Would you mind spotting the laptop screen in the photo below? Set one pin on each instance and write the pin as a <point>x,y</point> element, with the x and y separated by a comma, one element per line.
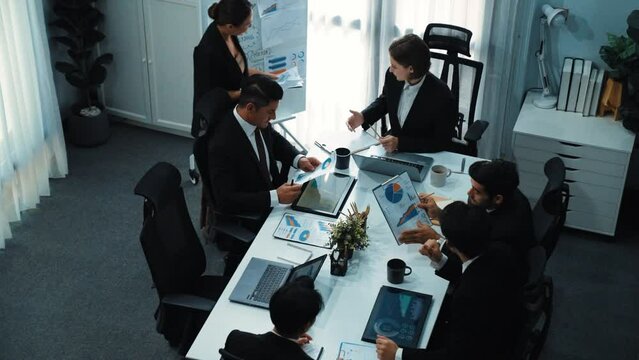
<point>310,269</point>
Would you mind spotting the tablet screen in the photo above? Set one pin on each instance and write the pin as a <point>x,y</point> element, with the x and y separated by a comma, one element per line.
<point>325,194</point>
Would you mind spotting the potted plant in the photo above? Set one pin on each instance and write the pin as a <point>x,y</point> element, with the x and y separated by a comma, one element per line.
<point>89,124</point>
<point>348,234</point>
<point>622,56</point>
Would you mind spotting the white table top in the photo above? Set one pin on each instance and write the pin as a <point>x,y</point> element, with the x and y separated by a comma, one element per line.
<point>348,300</point>
<point>601,132</point>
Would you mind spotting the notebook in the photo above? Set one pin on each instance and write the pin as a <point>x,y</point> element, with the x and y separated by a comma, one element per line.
<point>262,278</point>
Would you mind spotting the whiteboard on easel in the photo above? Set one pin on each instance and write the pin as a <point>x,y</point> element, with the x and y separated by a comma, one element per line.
<point>276,42</point>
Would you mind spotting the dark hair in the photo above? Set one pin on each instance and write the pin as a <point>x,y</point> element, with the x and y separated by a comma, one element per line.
<point>232,12</point>
<point>260,90</point>
<point>467,228</point>
<point>411,50</point>
<point>498,177</point>
<point>294,305</point>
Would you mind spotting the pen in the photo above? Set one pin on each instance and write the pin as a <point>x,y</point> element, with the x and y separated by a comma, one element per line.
<point>463,165</point>
<point>375,132</point>
<point>291,182</point>
<point>321,146</point>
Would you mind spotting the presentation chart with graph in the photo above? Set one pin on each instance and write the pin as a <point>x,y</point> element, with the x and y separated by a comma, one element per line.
<point>305,229</point>
<point>398,200</point>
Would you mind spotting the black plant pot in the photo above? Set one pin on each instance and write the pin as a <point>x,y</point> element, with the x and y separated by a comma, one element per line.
<point>339,264</point>
<point>88,131</point>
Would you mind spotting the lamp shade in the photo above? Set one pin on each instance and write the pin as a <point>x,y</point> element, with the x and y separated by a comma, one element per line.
<point>555,16</point>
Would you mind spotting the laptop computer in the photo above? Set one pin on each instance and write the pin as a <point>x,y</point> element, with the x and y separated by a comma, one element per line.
<point>262,278</point>
<point>416,166</point>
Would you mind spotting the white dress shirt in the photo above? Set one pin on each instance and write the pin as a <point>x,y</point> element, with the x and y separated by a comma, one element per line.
<point>249,130</point>
<point>406,99</point>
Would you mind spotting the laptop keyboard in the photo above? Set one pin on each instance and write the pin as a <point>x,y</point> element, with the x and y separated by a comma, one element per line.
<point>269,283</point>
<point>398,161</point>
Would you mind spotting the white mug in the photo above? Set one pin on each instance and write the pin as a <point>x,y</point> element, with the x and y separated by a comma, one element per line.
<point>438,175</point>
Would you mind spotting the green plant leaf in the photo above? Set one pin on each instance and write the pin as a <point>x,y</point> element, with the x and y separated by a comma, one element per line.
<point>92,37</point>
<point>91,19</point>
<point>65,40</point>
<point>97,75</point>
<point>104,59</point>
<point>79,55</point>
<point>65,67</point>
<point>75,4</point>
<point>64,24</point>
<point>77,79</point>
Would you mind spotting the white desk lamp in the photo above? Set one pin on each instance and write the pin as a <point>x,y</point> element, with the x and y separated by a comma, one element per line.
<point>552,17</point>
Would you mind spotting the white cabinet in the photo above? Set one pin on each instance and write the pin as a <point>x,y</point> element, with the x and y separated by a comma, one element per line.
<point>596,152</point>
<point>151,78</point>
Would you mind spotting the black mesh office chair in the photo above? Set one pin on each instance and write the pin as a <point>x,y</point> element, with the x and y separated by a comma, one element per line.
<point>549,213</point>
<point>537,297</point>
<point>463,76</point>
<point>175,258</point>
<point>228,356</point>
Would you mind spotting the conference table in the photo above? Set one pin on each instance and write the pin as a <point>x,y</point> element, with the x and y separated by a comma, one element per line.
<point>348,300</point>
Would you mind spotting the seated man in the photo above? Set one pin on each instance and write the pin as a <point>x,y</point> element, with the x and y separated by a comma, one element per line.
<point>485,306</point>
<point>244,149</point>
<point>293,308</point>
<point>494,189</point>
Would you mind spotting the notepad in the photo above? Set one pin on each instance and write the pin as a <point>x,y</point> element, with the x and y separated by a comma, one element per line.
<point>350,351</point>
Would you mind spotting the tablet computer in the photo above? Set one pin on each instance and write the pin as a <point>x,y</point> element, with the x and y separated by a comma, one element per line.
<point>325,195</point>
<point>399,315</point>
<point>398,200</point>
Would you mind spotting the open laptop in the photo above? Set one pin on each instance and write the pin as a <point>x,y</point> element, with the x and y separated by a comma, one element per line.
<point>262,278</point>
<point>416,166</point>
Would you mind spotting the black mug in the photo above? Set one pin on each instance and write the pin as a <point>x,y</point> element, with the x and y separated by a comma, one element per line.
<point>396,269</point>
<point>343,155</point>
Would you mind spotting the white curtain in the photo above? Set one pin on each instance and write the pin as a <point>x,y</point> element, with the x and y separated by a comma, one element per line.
<point>31,141</point>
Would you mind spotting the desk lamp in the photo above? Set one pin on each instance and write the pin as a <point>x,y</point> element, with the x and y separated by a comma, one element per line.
<point>552,17</point>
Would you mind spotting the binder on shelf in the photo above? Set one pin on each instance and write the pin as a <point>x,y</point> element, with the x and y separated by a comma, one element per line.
<point>564,87</point>
<point>583,86</point>
<point>589,92</point>
<point>573,94</point>
<point>596,92</point>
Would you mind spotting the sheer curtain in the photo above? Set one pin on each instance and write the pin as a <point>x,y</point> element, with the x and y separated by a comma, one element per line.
<point>31,141</point>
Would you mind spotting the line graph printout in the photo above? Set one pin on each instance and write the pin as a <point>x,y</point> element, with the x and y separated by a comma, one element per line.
<point>398,200</point>
<point>284,26</point>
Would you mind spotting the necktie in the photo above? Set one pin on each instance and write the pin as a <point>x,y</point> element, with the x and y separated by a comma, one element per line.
<point>262,155</point>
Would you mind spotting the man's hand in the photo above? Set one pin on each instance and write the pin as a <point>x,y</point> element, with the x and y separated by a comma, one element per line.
<point>432,250</point>
<point>308,163</point>
<point>418,235</point>
<point>304,339</point>
<point>355,120</point>
<point>389,142</point>
<point>386,348</point>
<point>287,193</point>
<point>427,203</point>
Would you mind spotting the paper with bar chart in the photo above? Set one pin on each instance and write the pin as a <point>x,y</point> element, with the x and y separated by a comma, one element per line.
<point>305,229</point>
<point>398,200</point>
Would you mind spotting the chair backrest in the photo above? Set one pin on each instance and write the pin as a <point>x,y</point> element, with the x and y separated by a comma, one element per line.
<point>550,210</point>
<point>207,108</point>
<point>171,246</point>
<point>228,356</point>
<point>462,75</point>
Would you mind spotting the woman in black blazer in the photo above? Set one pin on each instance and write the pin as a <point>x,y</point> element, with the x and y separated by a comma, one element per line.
<point>422,110</point>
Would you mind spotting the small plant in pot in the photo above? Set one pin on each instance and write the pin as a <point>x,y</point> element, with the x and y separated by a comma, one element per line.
<point>622,56</point>
<point>89,124</point>
<point>348,234</point>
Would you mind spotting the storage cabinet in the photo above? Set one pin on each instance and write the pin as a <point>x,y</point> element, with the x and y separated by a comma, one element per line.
<point>151,78</point>
<point>596,152</point>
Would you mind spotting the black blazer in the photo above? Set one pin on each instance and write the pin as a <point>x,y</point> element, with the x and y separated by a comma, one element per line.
<point>263,347</point>
<point>214,66</point>
<point>512,225</point>
<point>485,312</point>
<point>236,181</point>
<point>430,122</point>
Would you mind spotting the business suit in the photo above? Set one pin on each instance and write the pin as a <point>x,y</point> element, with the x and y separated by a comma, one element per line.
<point>263,347</point>
<point>511,225</point>
<point>214,67</point>
<point>430,122</point>
<point>485,311</point>
<point>237,182</point>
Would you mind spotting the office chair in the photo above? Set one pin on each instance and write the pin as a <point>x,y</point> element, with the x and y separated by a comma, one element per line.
<point>175,258</point>
<point>456,40</point>
<point>537,297</point>
<point>549,213</point>
<point>228,356</point>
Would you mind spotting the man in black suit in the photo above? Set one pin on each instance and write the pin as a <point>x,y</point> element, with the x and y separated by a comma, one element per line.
<point>493,189</point>
<point>293,310</point>
<point>485,306</point>
<point>243,151</point>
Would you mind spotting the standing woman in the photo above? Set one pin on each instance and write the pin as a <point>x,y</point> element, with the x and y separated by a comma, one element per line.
<point>422,110</point>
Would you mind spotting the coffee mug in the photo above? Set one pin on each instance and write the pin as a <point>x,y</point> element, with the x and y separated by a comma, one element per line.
<point>438,175</point>
<point>343,156</point>
<point>396,270</point>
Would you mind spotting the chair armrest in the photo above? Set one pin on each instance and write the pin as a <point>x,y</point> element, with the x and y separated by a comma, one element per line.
<point>189,301</point>
<point>235,230</point>
<point>475,131</point>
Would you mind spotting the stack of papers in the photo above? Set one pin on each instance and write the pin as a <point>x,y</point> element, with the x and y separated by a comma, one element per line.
<point>290,79</point>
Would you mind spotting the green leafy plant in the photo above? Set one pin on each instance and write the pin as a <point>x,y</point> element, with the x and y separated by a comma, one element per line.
<point>349,233</point>
<point>79,20</point>
<point>619,55</point>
